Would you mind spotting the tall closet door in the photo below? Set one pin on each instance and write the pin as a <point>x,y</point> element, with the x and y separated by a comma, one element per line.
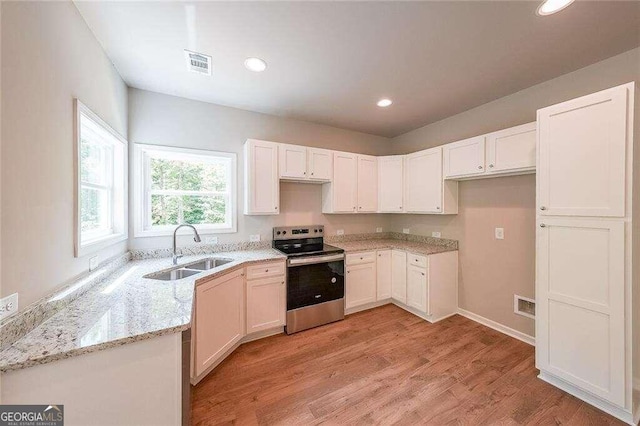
<point>580,294</point>
<point>581,164</point>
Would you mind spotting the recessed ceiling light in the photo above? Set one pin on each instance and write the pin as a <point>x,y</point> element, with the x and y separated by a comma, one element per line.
<point>549,7</point>
<point>255,64</point>
<point>383,103</point>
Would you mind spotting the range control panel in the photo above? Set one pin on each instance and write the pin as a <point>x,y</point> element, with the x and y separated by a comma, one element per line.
<point>294,232</point>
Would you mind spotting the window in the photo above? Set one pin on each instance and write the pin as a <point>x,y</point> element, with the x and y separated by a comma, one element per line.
<point>101,174</point>
<point>178,185</point>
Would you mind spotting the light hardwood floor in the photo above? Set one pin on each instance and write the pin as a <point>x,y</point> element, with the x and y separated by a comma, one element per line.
<point>386,366</point>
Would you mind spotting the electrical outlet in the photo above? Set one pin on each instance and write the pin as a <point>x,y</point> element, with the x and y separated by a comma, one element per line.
<point>405,230</point>
<point>93,263</point>
<point>499,233</point>
<point>8,306</point>
<point>211,240</point>
<point>254,238</point>
<point>435,234</point>
<point>340,232</point>
<point>378,229</point>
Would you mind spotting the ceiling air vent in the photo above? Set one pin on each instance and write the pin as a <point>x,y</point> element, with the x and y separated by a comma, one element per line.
<point>198,62</point>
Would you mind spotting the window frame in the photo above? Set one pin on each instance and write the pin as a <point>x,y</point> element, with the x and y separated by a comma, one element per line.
<point>117,185</point>
<point>142,183</point>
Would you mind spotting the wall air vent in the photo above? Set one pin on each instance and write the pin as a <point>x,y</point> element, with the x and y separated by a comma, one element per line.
<point>198,62</point>
<point>524,306</point>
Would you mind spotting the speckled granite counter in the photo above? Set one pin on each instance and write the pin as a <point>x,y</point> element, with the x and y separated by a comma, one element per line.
<point>118,308</point>
<point>411,246</point>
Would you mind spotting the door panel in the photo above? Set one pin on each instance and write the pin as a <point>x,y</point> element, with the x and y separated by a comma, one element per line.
<point>320,164</point>
<point>464,158</point>
<point>423,182</point>
<point>390,184</point>
<point>266,303</point>
<point>383,275</point>
<point>262,186</point>
<point>293,161</point>
<point>417,288</point>
<point>399,276</point>
<point>344,182</point>
<point>512,149</point>
<point>367,184</point>
<point>361,285</point>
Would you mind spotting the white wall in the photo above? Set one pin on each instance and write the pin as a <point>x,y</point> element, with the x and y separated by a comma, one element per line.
<point>167,120</point>
<point>49,57</point>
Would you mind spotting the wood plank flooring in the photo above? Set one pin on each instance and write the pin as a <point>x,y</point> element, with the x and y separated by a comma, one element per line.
<point>386,366</point>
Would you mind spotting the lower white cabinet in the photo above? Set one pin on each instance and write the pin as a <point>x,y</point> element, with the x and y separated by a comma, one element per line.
<point>383,267</point>
<point>399,275</point>
<point>266,303</point>
<point>360,287</point>
<point>219,319</point>
<point>417,291</point>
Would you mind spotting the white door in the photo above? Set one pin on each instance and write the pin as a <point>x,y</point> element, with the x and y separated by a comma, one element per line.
<point>266,303</point>
<point>320,164</point>
<point>582,143</point>
<point>399,276</point>
<point>345,194</point>
<point>423,181</point>
<point>417,291</point>
<point>464,158</point>
<point>293,161</point>
<point>383,275</point>
<point>360,285</point>
<point>390,184</point>
<point>512,150</point>
<point>219,318</point>
<point>367,184</point>
<point>580,295</point>
<point>262,185</point>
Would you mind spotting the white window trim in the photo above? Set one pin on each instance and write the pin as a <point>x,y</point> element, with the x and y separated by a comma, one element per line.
<point>103,242</point>
<point>140,206</point>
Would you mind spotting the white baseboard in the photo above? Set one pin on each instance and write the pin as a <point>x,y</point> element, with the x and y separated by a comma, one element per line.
<point>498,327</point>
<point>367,306</point>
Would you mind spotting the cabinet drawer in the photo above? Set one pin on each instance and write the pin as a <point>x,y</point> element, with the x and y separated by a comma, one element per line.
<point>265,270</point>
<point>359,258</point>
<point>417,260</point>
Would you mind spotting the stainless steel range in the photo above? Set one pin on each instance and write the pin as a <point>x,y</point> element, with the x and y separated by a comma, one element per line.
<point>315,277</point>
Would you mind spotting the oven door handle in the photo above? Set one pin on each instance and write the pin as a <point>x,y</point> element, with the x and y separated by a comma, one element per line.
<point>314,259</point>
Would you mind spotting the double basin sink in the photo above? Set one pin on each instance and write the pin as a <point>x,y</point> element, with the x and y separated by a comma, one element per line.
<point>189,269</point>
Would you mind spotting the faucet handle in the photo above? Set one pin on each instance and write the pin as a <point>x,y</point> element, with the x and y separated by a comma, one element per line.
<point>176,257</point>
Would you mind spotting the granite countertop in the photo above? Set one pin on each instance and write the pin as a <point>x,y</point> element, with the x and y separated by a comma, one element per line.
<point>123,307</point>
<point>424,248</point>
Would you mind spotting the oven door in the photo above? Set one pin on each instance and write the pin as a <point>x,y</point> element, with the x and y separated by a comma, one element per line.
<point>313,280</point>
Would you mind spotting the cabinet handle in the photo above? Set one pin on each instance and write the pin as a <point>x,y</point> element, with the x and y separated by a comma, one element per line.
<point>304,173</point>
<point>276,207</point>
<point>437,208</point>
<point>266,270</point>
<point>543,208</point>
<point>423,274</point>
<point>542,225</point>
<point>281,282</point>
<point>360,258</point>
<point>400,206</point>
<point>491,166</point>
<point>311,173</point>
<point>479,167</point>
<point>360,207</point>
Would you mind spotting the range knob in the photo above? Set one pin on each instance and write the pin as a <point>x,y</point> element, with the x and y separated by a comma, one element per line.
<point>320,229</point>
<point>278,233</point>
<point>284,232</point>
<point>315,230</point>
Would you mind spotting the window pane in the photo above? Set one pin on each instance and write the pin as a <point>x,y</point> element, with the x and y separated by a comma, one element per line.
<point>193,209</point>
<point>188,176</point>
<point>95,162</point>
<point>94,209</point>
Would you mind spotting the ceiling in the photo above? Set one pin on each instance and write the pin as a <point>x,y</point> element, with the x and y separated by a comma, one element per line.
<point>329,62</point>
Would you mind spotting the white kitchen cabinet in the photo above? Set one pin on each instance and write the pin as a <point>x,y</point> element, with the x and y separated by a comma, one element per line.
<point>367,184</point>
<point>464,158</point>
<point>266,303</point>
<point>320,166</point>
<point>383,275</point>
<point>582,159</point>
<point>219,318</point>
<point>341,195</point>
<point>360,286</point>
<point>417,291</point>
<point>391,184</point>
<point>292,161</point>
<point>261,178</point>
<point>424,189</point>
<point>512,150</point>
<point>399,276</point>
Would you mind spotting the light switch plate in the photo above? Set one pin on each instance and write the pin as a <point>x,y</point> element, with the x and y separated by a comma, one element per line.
<point>254,238</point>
<point>405,230</point>
<point>340,232</point>
<point>499,233</point>
<point>435,234</point>
<point>378,229</point>
<point>93,263</point>
<point>211,240</point>
<point>8,306</point>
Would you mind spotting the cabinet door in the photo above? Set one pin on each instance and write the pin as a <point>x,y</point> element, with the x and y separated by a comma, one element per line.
<point>344,182</point>
<point>464,158</point>
<point>266,303</point>
<point>360,285</point>
<point>262,185</point>
<point>320,164</point>
<point>390,184</point>
<point>367,184</point>
<point>219,318</point>
<point>293,161</point>
<point>423,181</point>
<point>512,150</point>
<point>580,309</point>
<point>417,291</point>
<point>383,274</point>
<point>582,143</point>
<point>399,276</point>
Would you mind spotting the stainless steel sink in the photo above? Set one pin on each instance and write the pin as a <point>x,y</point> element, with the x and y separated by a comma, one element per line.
<point>206,264</point>
<point>189,269</point>
<point>175,274</point>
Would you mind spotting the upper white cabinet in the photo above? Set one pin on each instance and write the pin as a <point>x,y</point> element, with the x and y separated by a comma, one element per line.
<point>424,189</point>
<point>390,184</point>
<point>464,158</point>
<point>261,183</point>
<point>367,184</point>
<point>582,162</point>
<point>293,161</point>
<point>512,149</point>
<point>341,196</point>
<point>320,164</point>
